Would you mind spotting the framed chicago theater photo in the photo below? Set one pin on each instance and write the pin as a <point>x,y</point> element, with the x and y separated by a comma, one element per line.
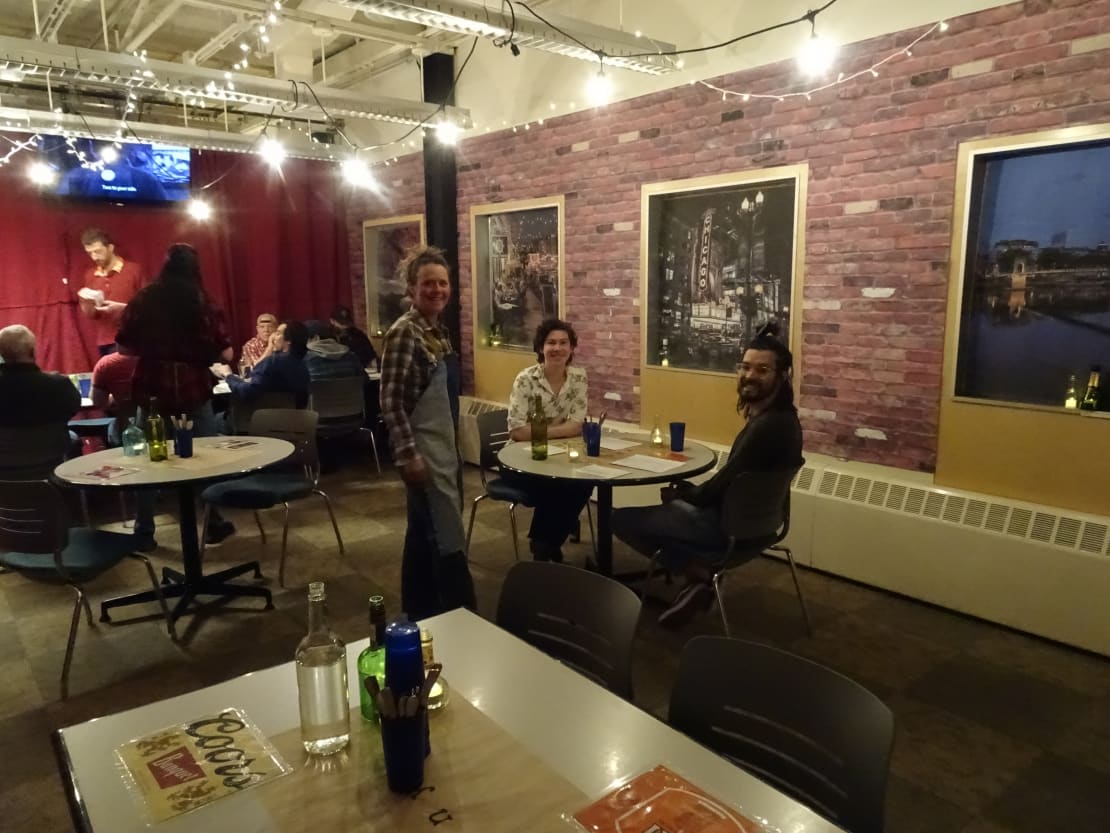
<point>720,258</point>
<point>516,269</point>
<point>384,245</point>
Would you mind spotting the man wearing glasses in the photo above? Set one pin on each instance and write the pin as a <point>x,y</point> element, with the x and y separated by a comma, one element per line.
<point>771,440</point>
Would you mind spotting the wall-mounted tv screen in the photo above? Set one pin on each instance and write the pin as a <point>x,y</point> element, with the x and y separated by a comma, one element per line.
<point>130,172</point>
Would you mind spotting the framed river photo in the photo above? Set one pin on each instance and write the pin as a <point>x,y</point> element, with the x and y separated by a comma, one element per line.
<point>721,256</point>
<point>384,245</point>
<point>1033,287</point>
<point>516,269</point>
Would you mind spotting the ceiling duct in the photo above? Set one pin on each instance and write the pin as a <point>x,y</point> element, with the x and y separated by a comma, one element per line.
<point>468,18</point>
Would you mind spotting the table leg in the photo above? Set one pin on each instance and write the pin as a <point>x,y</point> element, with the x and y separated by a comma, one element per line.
<point>605,529</point>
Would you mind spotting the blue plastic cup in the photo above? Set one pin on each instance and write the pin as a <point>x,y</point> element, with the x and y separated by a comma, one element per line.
<point>183,442</point>
<point>591,434</point>
<point>84,385</point>
<point>678,436</point>
<point>403,748</point>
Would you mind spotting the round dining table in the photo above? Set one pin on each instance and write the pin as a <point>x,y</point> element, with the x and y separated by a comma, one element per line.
<point>692,460</point>
<point>214,458</point>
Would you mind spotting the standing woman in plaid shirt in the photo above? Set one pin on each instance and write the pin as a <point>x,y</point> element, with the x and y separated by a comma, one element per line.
<point>420,406</point>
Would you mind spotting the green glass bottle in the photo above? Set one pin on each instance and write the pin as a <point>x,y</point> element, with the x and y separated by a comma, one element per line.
<point>371,662</point>
<point>538,424</point>
<point>156,434</point>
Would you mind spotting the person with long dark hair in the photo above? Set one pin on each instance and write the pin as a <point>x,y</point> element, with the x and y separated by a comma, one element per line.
<point>420,405</point>
<point>176,332</point>
<point>771,440</point>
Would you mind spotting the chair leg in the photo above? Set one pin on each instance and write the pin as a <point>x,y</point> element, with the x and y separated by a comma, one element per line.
<point>656,559</point>
<point>334,525</point>
<point>157,592</point>
<point>797,586</point>
<point>512,523</point>
<point>88,610</point>
<point>718,580</point>
<point>470,526</point>
<point>204,530</point>
<point>258,522</point>
<point>590,520</point>
<point>125,516</point>
<point>284,540</point>
<point>78,603</point>
<point>374,448</point>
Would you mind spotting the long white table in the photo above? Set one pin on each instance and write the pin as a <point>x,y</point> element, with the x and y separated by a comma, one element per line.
<point>588,735</point>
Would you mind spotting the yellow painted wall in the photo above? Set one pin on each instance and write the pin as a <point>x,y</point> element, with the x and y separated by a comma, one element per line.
<point>705,402</point>
<point>1060,458</point>
<point>495,369</point>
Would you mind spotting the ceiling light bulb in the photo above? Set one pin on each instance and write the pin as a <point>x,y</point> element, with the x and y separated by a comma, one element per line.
<point>41,174</point>
<point>599,89</point>
<point>816,55</point>
<point>199,210</point>
<point>244,47</point>
<point>109,154</point>
<point>272,151</point>
<point>357,173</point>
<point>273,18</point>
<point>447,132</point>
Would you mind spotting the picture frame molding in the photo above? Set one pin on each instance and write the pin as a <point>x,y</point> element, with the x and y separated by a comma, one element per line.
<point>373,321</point>
<point>556,201</point>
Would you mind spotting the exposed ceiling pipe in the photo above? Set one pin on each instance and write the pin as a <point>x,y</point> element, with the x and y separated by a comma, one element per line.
<point>165,14</point>
<point>133,24</point>
<point>55,16</point>
<point>220,41</point>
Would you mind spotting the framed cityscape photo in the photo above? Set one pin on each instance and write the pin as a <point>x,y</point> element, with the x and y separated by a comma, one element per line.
<point>720,257</point>
<point>1033,266</point>
<point>516,269</point>
<point>384,245</point>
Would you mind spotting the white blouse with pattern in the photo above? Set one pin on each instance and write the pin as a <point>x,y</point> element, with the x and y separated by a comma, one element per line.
<point>568,405</point>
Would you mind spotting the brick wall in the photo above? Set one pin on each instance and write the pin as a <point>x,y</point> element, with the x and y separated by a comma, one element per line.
<point>882,162</point>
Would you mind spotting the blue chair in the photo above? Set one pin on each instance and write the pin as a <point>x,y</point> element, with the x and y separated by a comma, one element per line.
<point>492,436</point>
<point>294,478</point>
<point>36,542</point>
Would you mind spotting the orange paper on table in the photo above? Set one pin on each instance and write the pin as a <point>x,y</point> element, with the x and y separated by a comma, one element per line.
<point>659,801</point>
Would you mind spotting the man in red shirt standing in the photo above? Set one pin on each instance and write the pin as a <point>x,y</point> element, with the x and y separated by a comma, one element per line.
<point>109,284</point>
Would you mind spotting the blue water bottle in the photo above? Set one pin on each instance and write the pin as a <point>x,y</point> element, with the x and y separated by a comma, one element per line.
<point>404,664</point>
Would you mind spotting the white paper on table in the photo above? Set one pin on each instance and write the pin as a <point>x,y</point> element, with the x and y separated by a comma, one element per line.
<point>614,444</point>
<point>555,449</point>
<point>655,464</point>
<point>599,472</point>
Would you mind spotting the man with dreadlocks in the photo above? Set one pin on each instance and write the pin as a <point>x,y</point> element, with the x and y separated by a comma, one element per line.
<point>771,440</point>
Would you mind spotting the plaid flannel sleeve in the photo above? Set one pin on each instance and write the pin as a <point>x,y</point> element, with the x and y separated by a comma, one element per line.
<point>398,378</point>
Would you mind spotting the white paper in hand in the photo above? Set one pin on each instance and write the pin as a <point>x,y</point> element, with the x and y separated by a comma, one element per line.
<point>94,295</point>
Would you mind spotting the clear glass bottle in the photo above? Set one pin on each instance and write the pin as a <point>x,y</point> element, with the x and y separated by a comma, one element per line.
<point>321,661</point>
<point>1091,397</point>
<point>438,696</point>
<point>371,662</point>
<point>664,354</point>
<point>156,434</point>
<point>657,433</point>
<point>537,422</point>
<point>1071,398</point>
<point>133,440</point>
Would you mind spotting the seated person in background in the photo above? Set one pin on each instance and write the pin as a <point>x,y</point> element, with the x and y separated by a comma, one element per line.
<point>257,348</point>
<point>563,392</point>
<point>771,440</point>
<point>352,337</point>
<point>327,358</point>
<point>281,372</point>
<point>31,398</point>
<point>111,390</point>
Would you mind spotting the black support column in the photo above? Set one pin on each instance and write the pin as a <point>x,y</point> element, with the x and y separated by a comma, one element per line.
<point>440,187</point>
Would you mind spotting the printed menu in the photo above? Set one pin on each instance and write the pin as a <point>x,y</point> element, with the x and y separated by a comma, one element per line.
<point>180,768</point>
<point>661,801</point>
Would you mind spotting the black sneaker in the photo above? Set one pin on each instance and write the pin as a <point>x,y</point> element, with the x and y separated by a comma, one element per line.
<point>218,532</point>
<point>694,598</point>
<point>545,551</point>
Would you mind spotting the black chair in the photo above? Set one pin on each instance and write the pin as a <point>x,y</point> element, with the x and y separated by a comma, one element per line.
<point>36,541</point>
<point>581,618</point>
<point>492,437</point>
<point>294,478</point>
<point>803,728</point>
<point>341,406</point>
<point>240,412</point>
<point>755,516</point>
<point>32,452</point>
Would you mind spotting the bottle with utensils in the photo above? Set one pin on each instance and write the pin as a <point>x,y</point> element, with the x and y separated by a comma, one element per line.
<point>404,663</point>
<point>156,434</point>
<point>437,695</point>
<point>321,661</point>
<point>537,422</point>
<point>1091,397</point>
<point>133,440</point>
<point>371,662</point>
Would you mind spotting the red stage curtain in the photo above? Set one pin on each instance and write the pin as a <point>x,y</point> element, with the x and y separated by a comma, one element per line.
<point>277,242</point>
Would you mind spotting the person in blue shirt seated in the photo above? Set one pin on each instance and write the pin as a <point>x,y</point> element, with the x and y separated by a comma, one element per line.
<point>283,371</point>
<point>327,358</point>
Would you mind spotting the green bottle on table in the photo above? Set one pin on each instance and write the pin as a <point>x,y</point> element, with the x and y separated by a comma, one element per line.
<point>156,434</point>
<point>371,662</point>
<point>537,422</point>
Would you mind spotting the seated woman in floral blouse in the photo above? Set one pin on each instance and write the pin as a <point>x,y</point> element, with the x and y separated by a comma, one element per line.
<point>563,392</point>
